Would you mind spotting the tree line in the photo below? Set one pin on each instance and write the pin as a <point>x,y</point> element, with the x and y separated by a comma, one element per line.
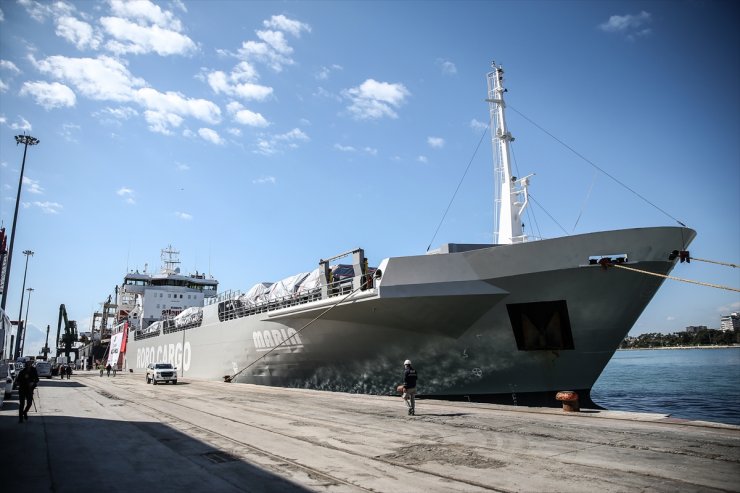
<point>703,337</point>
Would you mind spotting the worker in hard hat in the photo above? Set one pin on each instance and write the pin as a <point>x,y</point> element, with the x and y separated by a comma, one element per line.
<point>409,386</point>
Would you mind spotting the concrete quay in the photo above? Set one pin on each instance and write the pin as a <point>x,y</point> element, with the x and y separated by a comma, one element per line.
<point>118,434</point>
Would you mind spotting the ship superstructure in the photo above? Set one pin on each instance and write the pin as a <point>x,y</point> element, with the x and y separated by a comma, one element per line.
<point>145,298</point>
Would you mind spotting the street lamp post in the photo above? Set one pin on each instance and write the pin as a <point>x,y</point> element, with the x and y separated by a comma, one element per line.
<point>26,140</point>
<point>27,253</point>
<point>25,320</point>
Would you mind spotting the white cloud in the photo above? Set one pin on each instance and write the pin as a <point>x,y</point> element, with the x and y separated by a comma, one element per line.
<point>230,85</point>
<point>3,86</point>
<point>78,32</point>
<point>130,37</point>
<point>143,27</point>
<point>22,125</point>
<point>180,5</point>
<point>447,67</point>
<point>273,49</point>
<point>263,52</point>
<point>210,135</point>
<point>69,130</point>
<point>477,125</point>
<point>422,159</point>
<point>325,72</point>
<point>32,186</point>
<point>2,15</point>
<point>165,111</point>
<point>244,116</point>
<point>727,309</point>
<point>630,25</point>
<point>265,180</point>
<point>162,122</point>
<point>184,216</point>
<point>182,167</point>
<point>275,143</point>
<point>106,78</point>
<point>127,194</point>
<point>436,142</point>
<point>373,99</point>
<point>174,102</point>
<point>41,11</point>
<point>371,150</point>
<point>9,66</point>
<point>236,132</point>
<point>46,207</point>
<point>120,113</point>
<point>342,148</point>
<point>145,12</point>
<point>49,95</point>
<point>103,78</point>
<point>288,25</point>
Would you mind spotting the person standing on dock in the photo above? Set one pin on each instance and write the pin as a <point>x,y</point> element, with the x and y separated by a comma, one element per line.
<point>27,378</point>
<point>409,386</point>
<point>68,371</point>
<point>107,368</point>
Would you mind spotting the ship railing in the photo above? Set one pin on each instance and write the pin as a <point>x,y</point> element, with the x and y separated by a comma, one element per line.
<point>145,335</point>
<point>232,307</point>
<point>185,326</point>
<point>226,295</point>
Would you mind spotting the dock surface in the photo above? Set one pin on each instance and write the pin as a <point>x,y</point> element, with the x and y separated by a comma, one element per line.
<point>118,434</point>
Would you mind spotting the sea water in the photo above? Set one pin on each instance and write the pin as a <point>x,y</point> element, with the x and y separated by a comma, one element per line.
<point>697,384</point>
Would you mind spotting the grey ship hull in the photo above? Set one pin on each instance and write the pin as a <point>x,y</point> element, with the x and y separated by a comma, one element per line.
<point>508,323</point>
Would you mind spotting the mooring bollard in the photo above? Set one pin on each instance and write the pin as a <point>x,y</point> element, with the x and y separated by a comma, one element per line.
<point>570,401</point>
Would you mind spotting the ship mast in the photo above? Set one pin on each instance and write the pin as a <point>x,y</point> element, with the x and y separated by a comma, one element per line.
<point>170,260</point>
<point>512,195</point>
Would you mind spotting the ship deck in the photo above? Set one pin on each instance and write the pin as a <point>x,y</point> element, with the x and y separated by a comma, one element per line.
<point>120,434</point>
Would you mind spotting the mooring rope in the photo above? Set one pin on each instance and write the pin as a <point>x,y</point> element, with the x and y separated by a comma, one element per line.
<point>230,378</point>
<point>665,276</point>
<point>735,266</point>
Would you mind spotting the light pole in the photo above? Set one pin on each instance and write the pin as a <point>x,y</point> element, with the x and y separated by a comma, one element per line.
<point>25,320</point>
<point>26,140</point>
<point>27,253</point>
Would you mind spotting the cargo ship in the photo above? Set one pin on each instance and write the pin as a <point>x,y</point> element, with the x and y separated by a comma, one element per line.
<point>511,322</point>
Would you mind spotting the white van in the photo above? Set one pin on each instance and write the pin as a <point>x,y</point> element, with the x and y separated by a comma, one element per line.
<point>43,368</point>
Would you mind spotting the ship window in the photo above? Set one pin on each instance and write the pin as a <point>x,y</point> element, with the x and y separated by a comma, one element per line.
<point>542,325</point>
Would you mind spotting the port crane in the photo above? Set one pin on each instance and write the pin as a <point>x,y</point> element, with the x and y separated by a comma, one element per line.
<point>64,341</point>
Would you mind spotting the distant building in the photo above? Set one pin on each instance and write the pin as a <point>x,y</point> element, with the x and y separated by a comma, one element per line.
<point>694,329</point>
<point>730,322</point>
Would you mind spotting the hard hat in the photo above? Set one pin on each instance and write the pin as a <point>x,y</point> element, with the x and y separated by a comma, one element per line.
<point>407,362</point>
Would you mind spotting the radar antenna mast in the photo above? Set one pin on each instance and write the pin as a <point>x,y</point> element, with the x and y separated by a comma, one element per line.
<point>512,197</point>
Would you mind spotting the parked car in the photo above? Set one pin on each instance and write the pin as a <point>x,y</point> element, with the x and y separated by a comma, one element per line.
<point>43,368</point>
<point>161,372</point>
<point>7,377</point>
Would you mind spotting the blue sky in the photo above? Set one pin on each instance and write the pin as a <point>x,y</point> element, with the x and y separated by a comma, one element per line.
<point>259,137</point>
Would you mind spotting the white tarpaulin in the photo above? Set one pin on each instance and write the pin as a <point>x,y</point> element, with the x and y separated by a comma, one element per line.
<point>311,282</point>
<point>285,287</point>
<point>192,315</point>
<point>256,294</point>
